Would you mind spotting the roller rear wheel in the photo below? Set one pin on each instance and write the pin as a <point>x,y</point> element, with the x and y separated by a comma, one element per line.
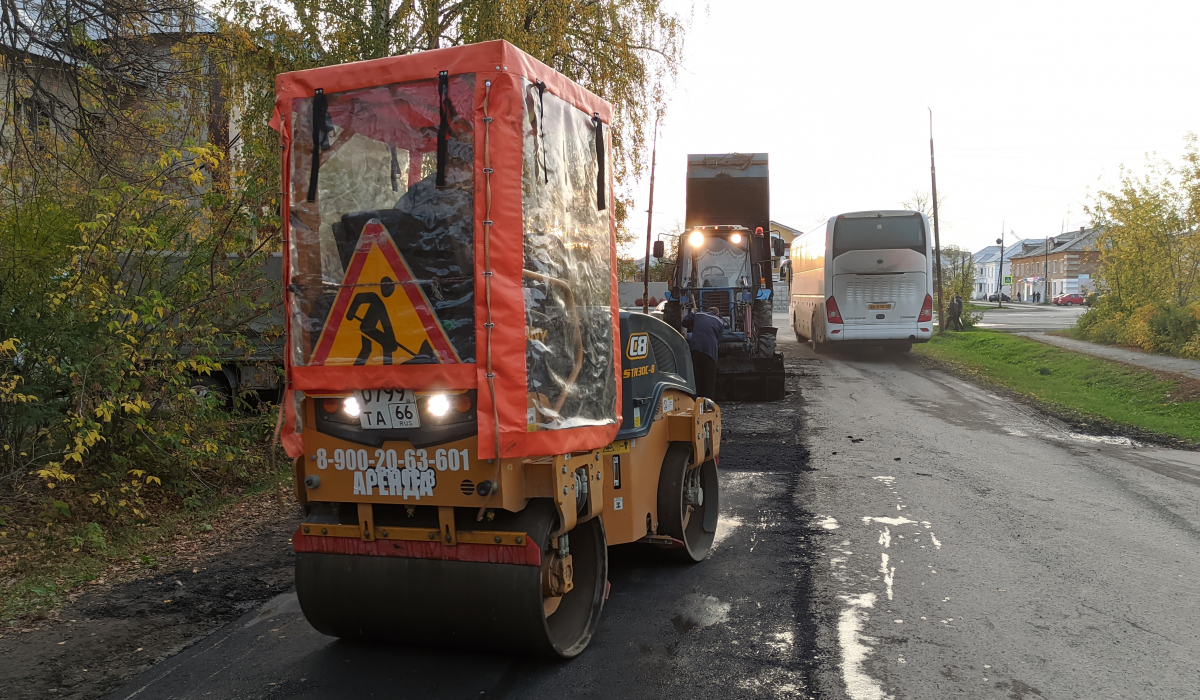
<point>688,503</point>
<point>462,604</point>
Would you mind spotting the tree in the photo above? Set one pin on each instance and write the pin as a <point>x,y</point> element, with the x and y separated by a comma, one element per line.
<point>626,51</point>
<point>1149,237</point>
<point>119,77</point>
<point>1149,243</point>
<point>632,269</point>
<point>130,262</point>
<point>958,271</point>
<point>923,202</point>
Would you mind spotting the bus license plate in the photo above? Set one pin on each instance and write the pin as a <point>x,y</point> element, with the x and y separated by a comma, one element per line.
<point>874,307</point>
<point>387,408</point>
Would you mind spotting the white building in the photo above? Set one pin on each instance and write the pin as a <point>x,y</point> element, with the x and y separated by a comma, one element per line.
<point>987,280</point>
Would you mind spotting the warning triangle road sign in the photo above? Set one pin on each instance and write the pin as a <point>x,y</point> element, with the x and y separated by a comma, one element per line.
<point>381,315</point>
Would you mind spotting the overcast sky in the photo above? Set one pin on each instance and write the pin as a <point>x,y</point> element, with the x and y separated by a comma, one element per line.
<point>1034,104</point>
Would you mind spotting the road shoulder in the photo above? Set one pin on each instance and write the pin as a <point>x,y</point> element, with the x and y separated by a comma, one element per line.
<point>1161,363</point>
<point>1094,395</point>
<point>117,629</point>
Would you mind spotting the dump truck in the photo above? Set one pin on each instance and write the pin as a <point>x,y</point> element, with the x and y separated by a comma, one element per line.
<point>473,420</point>
<point>724,260</point>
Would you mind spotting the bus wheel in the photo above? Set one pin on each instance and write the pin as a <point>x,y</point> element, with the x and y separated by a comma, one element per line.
<point>819,345</point>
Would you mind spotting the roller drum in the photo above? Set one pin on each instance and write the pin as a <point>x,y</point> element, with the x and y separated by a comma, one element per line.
<point>469,605</point>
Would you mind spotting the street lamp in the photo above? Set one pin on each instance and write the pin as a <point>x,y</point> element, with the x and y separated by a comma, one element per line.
<point>1000,275</point>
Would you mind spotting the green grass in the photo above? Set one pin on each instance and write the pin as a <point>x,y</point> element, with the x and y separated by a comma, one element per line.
<point>1078,384</point>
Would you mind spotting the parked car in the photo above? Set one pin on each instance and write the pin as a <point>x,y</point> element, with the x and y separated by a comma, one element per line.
<point>999,297</point>
<point>1069,300</point>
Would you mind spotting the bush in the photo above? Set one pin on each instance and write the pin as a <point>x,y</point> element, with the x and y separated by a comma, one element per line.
<point>1161,328</point>
<point>121,287</point>
<point>1149,243</point>
<point>1172,328</point>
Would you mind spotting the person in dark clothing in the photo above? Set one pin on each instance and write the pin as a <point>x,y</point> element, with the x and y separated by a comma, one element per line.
<point>706,331</point>
<point>954,313</point>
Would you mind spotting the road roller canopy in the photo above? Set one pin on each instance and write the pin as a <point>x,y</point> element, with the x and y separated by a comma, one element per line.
<point>454,232</point>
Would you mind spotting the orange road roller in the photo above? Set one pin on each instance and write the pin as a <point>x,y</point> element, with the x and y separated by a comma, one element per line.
<point>473,419</point>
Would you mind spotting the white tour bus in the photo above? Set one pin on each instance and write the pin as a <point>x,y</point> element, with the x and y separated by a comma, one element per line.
<point>865,279</point>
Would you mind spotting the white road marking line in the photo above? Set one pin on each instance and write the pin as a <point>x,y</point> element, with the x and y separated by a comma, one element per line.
<point>894,522</point>
<point>889,575</point>
<point>828,522</point>
<point>859,685</point>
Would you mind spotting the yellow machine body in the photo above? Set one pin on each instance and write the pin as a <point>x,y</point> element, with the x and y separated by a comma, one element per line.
<point>396,473</point>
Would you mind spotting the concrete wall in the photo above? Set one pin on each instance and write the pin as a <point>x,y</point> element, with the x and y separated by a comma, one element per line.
<point>780,297</point>
<point>630,293</point>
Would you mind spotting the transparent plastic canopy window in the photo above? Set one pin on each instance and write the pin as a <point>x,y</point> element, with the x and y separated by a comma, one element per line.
<point>567,270</point>
<point>716,263</point>
<point>380,167</point>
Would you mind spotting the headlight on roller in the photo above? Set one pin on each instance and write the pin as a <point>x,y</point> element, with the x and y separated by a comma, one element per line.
<point>438,405</point>
<point>444,409</point>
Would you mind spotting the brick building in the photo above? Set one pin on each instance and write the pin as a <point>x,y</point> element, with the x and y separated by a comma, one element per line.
<point>1063,264</point>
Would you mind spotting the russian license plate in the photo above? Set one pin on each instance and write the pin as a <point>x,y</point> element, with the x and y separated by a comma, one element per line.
<point>875,307</point>
<point>387,408</point>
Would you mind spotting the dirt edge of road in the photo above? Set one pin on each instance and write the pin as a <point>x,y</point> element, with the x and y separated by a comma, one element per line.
<point>1080,422</point>
<point>113,630</point>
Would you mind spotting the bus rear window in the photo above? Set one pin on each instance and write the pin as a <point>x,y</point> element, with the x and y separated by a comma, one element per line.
<point>879,233</point>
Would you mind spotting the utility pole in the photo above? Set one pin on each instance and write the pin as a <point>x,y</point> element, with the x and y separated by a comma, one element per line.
<point>1000,272</point>
<point>649,221</point>
<point>1046,272</point>
<point>937,240</point>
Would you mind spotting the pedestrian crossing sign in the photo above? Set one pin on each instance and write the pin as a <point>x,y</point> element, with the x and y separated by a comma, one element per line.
<point>381,315</point>
<point>1008,279</point>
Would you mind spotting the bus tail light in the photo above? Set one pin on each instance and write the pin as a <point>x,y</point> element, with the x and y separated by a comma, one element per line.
<point>926,310</point>
<point>832,314</point>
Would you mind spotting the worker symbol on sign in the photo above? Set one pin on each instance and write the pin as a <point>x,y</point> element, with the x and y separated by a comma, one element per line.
<point>387,301</point>
<point>375,325</point>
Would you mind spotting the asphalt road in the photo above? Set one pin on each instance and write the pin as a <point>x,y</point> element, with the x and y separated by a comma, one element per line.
<point>888,531</point>
<point>975,548</point>
<point>725,626</point>
<point>1030,317</point>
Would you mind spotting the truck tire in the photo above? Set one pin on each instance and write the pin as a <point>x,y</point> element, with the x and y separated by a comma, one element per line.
<point>761,314</point>
<point>672,315</point>
<point>765,345</point>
